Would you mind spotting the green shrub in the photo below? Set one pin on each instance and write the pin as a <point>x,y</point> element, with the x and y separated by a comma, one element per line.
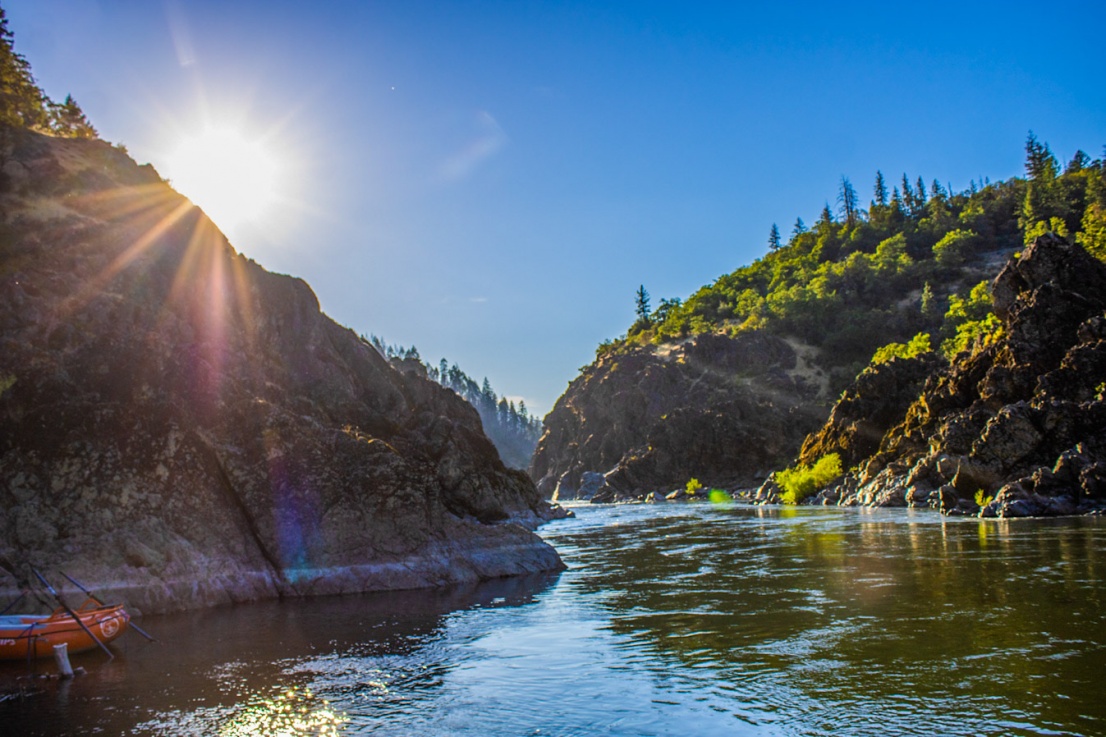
<point>693,486</point>
<point>918,345</point>
<point>955,247</point>
<point>968,334</point>
<point>802,481</point>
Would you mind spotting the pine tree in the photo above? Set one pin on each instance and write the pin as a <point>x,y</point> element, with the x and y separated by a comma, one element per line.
<point>922,196</point>
<point>22,103</point>
<point>1040,164</point>
<point>879,192</point>
<point>849,202</point>
<point>909,204</point>
<point>68,120</point>
<point>1078,163</point>
<point>896,201</point>
<point>641,305</point>
<point>774,238</point>
<point>799,229</point>
<point>938,191</point>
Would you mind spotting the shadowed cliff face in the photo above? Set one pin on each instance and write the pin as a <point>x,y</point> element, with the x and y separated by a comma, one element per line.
<point>1017,427</point>
<point>186,428</point>
<point>720,409</point>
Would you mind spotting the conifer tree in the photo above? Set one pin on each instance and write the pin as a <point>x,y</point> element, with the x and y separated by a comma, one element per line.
<point>909,204</point>
<point>641,305</point>
<point>879,192</point>
<point>774,238</point>
<point>22,104</point>
<point>896,201</point>
<point>1078,163</point>
<point>67,119</point>
<point>1040,164</point>
<point>938,191</point>
<point>799,229</point>
<point>849,202</point>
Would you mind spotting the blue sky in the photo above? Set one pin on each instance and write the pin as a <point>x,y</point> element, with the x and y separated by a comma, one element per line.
<point>491,181</point>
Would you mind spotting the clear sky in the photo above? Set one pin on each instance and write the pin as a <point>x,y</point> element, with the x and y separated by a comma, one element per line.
<point>491,181</point>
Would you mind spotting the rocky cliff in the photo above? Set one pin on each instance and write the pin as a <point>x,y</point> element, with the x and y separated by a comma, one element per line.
<point>1016,427</point>
<point>725,410</point>
<point>181,428</point>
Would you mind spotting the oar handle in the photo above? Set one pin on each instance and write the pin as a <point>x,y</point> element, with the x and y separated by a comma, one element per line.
<point>73,614</point>
<point>97,599</point>
<point>78,584</point>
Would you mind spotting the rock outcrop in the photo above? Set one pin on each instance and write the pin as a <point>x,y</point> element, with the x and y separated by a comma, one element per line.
<point>1016,427</point>
<point>181,428</point>
<point>721,409</point>
<point>867,409</point>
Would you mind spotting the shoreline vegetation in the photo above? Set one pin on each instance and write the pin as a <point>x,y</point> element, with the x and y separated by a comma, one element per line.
<point>884,337</point>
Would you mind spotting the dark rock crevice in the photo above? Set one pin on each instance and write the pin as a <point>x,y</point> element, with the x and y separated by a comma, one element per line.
<point>247,523</point>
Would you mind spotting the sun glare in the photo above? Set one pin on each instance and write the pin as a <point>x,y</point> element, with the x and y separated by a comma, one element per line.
<point>233,177</point>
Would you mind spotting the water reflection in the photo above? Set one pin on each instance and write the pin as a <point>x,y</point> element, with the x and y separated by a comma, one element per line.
<point>672,620</point>
<point>900,618</point>
<point>258,669</point>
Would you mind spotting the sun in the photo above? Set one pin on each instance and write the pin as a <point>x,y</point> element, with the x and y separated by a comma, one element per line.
<point>232,176</point>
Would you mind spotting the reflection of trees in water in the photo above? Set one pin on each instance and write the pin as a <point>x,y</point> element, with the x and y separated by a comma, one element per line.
<point>862,602</point>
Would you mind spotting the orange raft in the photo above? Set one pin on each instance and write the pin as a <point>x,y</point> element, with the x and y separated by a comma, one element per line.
<point>34,635</point>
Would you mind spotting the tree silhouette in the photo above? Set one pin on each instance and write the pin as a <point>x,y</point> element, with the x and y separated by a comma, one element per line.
<point>879,192</point>
<point>774,238</point>
<point>641,305</point>
<point>1040,164</point>
<point>799,229</point>
<point>848,202</point>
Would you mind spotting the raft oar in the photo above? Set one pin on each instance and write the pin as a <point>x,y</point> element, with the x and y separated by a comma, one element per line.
<point>73,614</point>
<point>100,601</point>
<point>22,591</point>
<point>9,606</point>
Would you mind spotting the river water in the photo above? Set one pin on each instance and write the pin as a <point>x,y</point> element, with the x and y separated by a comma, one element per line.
<point>671,620</point>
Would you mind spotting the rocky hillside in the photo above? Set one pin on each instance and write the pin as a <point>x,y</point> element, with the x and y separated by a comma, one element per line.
<point>725,410</point>
<point>1016,427</point>
<point>181,428</point>
<point>725,385</point>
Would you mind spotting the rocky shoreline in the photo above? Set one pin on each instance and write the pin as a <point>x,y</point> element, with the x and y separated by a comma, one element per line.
<point>1016,427</point>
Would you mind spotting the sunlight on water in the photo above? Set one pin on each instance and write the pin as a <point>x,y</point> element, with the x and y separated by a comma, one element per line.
<point>292,712</point>
<point>697,619</point>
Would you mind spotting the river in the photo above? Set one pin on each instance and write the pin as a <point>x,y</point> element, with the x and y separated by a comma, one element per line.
<point>671,620</point>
